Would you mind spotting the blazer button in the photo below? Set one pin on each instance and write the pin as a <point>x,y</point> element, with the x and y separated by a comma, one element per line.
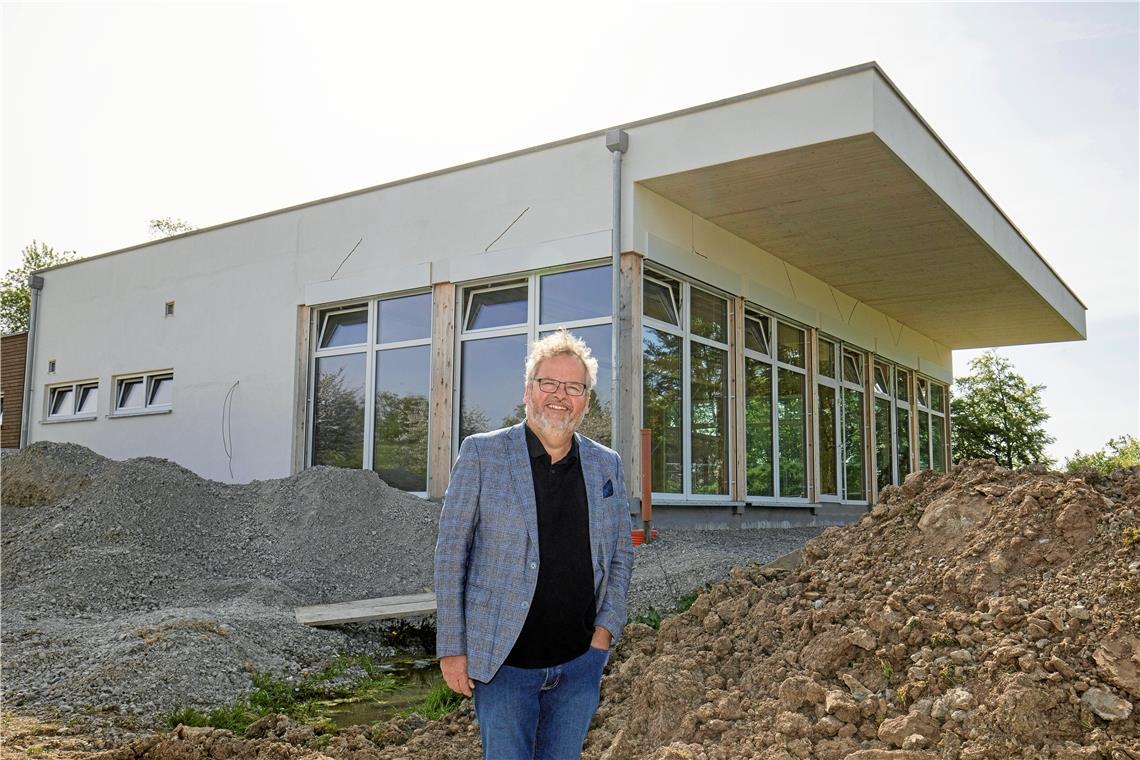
<point>524,604</point>
<point>533,565</point>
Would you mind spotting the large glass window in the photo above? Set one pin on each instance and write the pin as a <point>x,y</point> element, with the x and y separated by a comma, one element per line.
<point>931,404</point>
<point>685,386</point>
<point>884,426</point>
<point>902,422</point>
<point>843,424</point>
<point>499,322</point>
<point>775,413</point>
<point>385,430</point>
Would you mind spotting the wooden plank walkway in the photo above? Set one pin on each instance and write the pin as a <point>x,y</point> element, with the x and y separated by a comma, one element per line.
<point>366,609</point>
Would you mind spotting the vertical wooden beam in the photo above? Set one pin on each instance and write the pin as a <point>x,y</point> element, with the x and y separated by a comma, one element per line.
<point>301,389</point>
<point>442,390</point>
<point>628,403</point>
<point>738,388</point>
<point>870,481</point>
<point>811,398</point>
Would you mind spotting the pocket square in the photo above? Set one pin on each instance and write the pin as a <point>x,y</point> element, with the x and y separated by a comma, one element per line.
<point>608,489</point>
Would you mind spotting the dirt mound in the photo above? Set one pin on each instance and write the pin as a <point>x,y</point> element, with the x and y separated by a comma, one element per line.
<point>133,587</point>
<point>980,614</point>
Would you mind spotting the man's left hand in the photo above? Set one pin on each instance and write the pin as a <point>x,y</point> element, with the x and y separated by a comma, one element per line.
<point>602,638</point>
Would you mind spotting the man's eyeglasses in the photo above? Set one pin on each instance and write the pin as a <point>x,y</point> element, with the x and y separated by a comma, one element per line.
<point>549,385</point>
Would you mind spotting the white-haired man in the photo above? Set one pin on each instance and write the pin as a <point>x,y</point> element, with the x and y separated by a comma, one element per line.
<point>532,564</point>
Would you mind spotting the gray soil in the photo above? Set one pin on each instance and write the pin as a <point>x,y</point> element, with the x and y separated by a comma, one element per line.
<point>132,588</point>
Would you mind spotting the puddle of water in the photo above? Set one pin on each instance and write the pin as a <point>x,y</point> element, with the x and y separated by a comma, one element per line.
<point>418,677</point>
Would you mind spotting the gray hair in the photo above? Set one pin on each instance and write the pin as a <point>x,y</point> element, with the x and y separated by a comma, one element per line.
<point>558,344</point>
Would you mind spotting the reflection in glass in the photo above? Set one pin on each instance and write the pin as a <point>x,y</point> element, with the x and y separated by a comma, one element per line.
<point>853,444</point>
<point>661,410</point>
<point>936,394</point>
<point>496,306</point>
<point>407,318</point>
<point>828,477</point>
<point>491,386</point>
<point>790,345</point>
<point>758,427</point>
<point>902,435</point>
<point>338,414</point>
<point>598,421</point>
<point>708,315</point>
<point>923,399</point>
<point>902,385</point>
<point>882,383</point>
<point>852,368</point>
<point>756,333</point>
<point>826,358</point>
<point>660,299</point>
<point>344,328</point>
<point>579,294</point>
<point>709,419</point>
<point>923,440</point>
<point>791,412</point>
<point>882,442</point>
<point>937,439</point>
<point>400,437</point>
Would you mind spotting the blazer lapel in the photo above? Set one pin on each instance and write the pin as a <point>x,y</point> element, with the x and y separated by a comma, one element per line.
<point>523,479</point>
<point>594,479</point>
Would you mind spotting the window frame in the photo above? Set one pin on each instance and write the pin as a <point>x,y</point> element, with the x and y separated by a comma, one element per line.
<point>75,388</point>
<point>751,311</point>
<point>369,349</point>
<point>662,276</point>
<point>532,328</point>
<point>839,383</point>
<point>147,379</point>
<point>926,415</point>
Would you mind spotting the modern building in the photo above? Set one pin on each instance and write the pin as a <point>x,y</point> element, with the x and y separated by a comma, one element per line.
<point>795,267</point>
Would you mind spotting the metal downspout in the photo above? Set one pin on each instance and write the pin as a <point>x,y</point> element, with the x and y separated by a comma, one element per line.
<point>36,284</point>
<point>617,141</point>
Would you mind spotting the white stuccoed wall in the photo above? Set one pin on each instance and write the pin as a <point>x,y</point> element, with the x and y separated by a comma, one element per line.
<point>237,289</point>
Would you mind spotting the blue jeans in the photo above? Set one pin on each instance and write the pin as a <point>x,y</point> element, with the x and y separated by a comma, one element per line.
<point>539,713</point>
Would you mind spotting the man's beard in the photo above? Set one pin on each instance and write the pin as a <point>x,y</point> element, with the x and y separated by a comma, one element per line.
<point>538,417</point>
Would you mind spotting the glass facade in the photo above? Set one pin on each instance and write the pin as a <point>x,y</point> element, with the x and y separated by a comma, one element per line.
<point>385,430</point>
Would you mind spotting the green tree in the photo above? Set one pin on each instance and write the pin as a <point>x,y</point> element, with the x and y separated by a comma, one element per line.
<point>168,225</point>
<point>15,295</point>
<point>997,414</point>
<point>1118,452</point>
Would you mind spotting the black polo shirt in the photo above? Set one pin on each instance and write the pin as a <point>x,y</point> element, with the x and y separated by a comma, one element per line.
<point>560,622</point>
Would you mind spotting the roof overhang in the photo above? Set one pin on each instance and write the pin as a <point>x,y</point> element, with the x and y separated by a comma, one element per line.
<point>889,216</point>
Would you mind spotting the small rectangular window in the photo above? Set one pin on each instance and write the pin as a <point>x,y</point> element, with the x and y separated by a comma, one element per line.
<point>902,385</point>
<point>882,379</point>
<point>344,327</point>
<point>151,392</point>
<point>790,345</point>
<point>169,311</point>
<point>160,390</point>
<point>72,400</point>
<point>708,316</point>
<point>852,368</point>
<point>496,306</point>
<point>661,298</point>
<point>826,358</point>
<point>577,294</point>
<point>756,333</point>
<point>405,318</point>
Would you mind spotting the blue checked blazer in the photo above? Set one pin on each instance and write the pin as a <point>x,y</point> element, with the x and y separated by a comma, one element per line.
<point>486,556</point>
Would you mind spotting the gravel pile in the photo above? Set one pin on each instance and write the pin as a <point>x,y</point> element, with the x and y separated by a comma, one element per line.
<point>131,588</point>
<point>681,561</point>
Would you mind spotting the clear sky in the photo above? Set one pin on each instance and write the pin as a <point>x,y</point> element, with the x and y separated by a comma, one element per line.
<point>114,114</point>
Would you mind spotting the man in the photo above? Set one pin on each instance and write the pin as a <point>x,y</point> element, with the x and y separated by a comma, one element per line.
<point>533,563</point>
